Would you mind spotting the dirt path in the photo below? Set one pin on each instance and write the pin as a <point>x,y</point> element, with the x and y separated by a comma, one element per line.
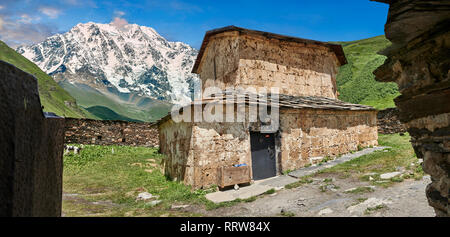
<point>327,198</point>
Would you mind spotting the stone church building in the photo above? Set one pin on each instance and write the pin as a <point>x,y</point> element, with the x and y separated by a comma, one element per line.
<point>312,122</point>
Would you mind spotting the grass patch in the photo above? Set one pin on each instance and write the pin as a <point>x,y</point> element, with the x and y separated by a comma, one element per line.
<point>401,154</point>
<point>287,214</point>
<point>270,191</point>
<point>355,80</point>
<point>303,180</point>
<point>326,187</point>
<point>103,183</point>
<point>372,209</point>
<point>359,201</point>
<point>359,190</point>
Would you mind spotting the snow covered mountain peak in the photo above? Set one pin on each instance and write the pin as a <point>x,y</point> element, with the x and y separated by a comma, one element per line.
<point>127,59</point>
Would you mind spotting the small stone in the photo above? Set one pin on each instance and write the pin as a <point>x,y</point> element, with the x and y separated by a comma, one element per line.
<point>370,178</point>
<point>325,211</point>
<point>236,187</point>
<point>390,175</point>
<point>179,206</point>
<point>370,174</point>
<point>349,190</point>
<point>144,196</point>
<point>154,203</point>
<point>420,161</point>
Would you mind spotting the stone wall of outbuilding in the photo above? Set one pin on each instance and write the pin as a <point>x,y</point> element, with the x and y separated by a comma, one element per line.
<point>106,132</point>
<point>195,151</point>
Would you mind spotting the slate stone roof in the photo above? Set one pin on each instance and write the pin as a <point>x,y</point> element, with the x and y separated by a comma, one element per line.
<point>297,102</point>
<point>283,101</point>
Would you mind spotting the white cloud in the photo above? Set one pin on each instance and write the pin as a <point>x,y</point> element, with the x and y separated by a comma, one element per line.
<point>1,7</point>
<point>182,6</point>
<point>51,12</point>
<point>15,32</point>
<point>25,18</point>
<point>118,21</point>
<point>119,13</point>
<point>85,3</point>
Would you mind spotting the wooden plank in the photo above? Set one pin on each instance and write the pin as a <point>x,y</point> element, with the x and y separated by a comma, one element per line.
<point>228,176</point>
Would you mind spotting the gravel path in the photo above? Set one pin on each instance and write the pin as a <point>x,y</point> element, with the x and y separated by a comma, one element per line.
<point>400,200</point>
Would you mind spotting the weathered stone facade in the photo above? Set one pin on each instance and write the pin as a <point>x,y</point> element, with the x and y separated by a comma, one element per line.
<point>105,132</point>
<point>194,151</point>
<point>246,59</point>
<point>313,124</point>
<point>31,149</point>
<point>312,134</point>
<point>418,61</point>
<point>388,121</point>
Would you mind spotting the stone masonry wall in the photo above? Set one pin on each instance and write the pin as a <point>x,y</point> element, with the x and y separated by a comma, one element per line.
<point>243,60</point>
<point>308,136</point>
<point>216,145</point>
<point>220,61</point>
<point>418,61</point>
<point>296,69</point>
<point>194,151</point>
<point>176,145</point>
<point>389,122</point>
<point>104,132</point>
<point>31,149</point>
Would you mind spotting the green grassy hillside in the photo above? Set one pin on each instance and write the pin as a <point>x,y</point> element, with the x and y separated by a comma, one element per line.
<point>53,97</point>
<point>355,81</point>
<point>108,114</point>
<point>146,110</point>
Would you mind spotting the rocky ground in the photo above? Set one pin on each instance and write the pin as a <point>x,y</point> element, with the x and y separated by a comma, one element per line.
<point>338,198</point>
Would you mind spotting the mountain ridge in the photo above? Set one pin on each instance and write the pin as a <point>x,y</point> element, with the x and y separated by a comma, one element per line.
<point>130,59</point>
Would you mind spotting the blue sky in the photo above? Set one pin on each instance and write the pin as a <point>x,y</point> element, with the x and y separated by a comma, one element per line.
<point>31,21</point>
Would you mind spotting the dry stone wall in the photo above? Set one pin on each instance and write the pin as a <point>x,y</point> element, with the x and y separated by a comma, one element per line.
<point>389,122</point>
<point>104,132</point>
<point>418,61</point>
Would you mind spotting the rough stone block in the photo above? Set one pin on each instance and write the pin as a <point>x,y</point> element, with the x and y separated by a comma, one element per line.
<point>31,148</point>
